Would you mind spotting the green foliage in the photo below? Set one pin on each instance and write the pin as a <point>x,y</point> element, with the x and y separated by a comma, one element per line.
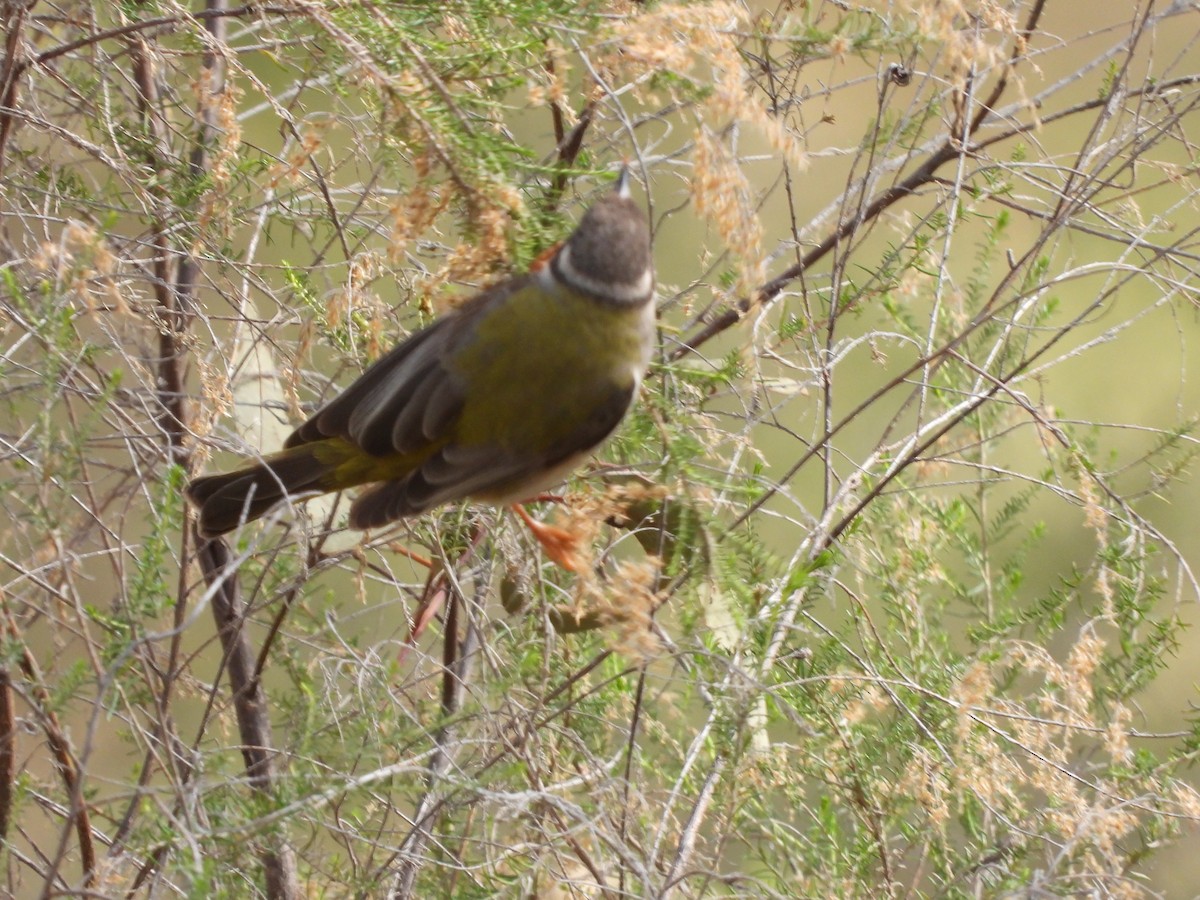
<point>876,589</point>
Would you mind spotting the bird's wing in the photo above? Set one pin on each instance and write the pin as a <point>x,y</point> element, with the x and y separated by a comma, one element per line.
<point>488,470</point>
<point>410,402</point>
<point>406,400</point>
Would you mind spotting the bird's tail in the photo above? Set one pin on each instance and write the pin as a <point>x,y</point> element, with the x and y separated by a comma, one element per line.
<point>229,500</point>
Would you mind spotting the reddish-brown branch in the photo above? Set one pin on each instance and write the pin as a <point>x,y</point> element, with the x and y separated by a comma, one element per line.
<point>567,143</point>
<point>249,700</point>
<point>952,146</point>
<point>769,291</point>
<point>64,759</point>
<point>8,755</point>
<point>249,703</point>
<point>569,146</point>
<point>176,297</point>
<point>131,28</point>
<point>11,68</point>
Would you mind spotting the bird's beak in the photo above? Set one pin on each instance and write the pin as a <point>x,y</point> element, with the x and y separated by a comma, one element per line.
<point>621,189</point>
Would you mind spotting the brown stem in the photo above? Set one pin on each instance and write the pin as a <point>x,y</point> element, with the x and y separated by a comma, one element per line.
<point>176,298</point>
<point>569,146</point>
<point>130,28</point>
<point>64,761</point>
<point>8,755</point>
<point>953,145</point>
<point>769,291</point>
<point>691,828</point>
<point>249,703</point>
<point>567,143</point>
<point>458,655</point>
<point>12,20</point>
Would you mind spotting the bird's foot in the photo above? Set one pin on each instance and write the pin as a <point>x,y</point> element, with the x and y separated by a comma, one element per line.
<point>558,543</point>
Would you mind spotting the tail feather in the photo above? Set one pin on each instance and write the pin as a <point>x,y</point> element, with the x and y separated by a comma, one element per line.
<point>229,500</point>
<point>382,504</point>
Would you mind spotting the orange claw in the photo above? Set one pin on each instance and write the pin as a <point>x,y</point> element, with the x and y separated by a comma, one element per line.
<point>558,543</point>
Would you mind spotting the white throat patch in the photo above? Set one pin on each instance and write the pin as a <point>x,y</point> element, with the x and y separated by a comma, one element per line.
<point>621,292</point>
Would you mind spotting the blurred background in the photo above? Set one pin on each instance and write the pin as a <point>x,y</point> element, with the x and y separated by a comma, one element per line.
<point>892,567</point>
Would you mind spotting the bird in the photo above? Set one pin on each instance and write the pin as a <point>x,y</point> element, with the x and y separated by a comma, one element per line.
<point>496,401</point>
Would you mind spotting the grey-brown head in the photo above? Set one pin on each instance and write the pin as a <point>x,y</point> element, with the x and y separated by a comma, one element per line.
<point>608,257</point>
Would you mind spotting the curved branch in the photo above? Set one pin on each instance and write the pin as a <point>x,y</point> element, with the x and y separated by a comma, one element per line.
<point>950,148</point>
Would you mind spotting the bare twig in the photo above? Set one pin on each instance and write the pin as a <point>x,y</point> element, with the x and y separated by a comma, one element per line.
<point>8,752</point>
<point>457,661</point>
<point>64,761</point>
<point>687,839</point>
<point>13,22</point>
<point>250,705</point>
<point>950,147</point>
